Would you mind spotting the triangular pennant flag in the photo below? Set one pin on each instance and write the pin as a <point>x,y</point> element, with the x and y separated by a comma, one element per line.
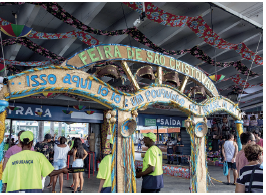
<point>46,94</point>
<point>67,111</point>
<point>38,113</point>
<point>79,107</point>
<point>12,108</point>
<point>89,112</point>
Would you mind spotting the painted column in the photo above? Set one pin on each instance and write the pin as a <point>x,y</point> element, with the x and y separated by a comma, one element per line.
<point>41,129</point>
<point>59,129</point>
<point>239,128</point>
<point>197,134</point>
<point>52,128</point>
<point>3,114</point>
<point>126,181</point>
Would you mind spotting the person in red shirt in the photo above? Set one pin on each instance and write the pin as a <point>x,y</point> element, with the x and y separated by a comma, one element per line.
<point>14,150</point>
<point>259,140</point>
<point>241,160</point>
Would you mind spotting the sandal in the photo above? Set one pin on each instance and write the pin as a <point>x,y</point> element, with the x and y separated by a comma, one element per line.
<point>60,191</point>
<point>53,191</point>
<point>49,185</point>
<point>71,185</point>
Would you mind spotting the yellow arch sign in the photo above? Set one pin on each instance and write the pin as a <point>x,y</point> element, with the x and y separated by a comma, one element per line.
<point>58,79</point>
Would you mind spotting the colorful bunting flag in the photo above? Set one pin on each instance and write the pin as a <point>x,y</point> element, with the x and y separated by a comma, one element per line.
<point>89,112</point>
<point>13,108</point>
<point>217,77</point>
<point>46,94</point>
<point>79,107</point>
<point>67,111</point>
<point>39,113</point>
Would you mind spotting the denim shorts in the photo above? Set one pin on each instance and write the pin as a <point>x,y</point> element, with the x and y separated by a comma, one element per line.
<point>231,165</point>
<point>78,163</point>
<point>59,164</point>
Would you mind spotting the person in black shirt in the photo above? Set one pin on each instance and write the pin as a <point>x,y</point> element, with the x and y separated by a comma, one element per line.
<point>179,149</point>
<point>254,155</point>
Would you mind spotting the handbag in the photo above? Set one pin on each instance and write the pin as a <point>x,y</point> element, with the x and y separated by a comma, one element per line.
<point>225,168</point>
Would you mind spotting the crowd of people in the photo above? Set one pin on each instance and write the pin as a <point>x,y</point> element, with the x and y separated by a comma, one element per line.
<point>246,164</point>
<point>46,158</point>
<point>31,165</point>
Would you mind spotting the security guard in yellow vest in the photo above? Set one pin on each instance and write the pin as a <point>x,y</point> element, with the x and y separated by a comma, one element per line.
<point>152,171</point>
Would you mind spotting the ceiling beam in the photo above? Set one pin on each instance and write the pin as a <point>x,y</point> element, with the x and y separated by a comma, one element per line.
<point>242,17</point>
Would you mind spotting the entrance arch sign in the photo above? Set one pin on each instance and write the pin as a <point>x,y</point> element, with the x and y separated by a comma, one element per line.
<point>67,80</point>
<point>112,52</point>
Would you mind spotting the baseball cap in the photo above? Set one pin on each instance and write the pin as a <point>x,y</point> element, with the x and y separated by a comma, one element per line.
<point>150,135</point>
<point>48,136</point>
<point>26,134</point>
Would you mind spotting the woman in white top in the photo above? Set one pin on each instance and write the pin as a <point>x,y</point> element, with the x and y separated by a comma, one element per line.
<point>60,157</point>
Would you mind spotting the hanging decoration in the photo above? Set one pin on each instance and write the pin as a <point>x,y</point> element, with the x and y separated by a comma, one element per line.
<point>82,36</point>
<point>32,63</point>
<point>79,107</point>
<point>238,65</point>
<point>140,37</point>
<point>35,48</point>
<point>197,25</point>
<point>67,111</point>
<point>15,30</point>
<point>46,94</point>
<point>39,113</point>
<point>2,67</point>
<point>13,108</point>
<point>217,77</point>
<point>89,112</point>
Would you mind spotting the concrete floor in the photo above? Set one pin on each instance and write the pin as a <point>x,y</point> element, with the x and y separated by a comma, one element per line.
<point>171,184</point>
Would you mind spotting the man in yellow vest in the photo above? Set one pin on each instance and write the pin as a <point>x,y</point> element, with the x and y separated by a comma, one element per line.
<point>24,170</point>
<point>152,171</point>
<point>104,174</point>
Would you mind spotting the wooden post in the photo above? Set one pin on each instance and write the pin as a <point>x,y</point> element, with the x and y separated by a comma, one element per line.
<point>160,75</point>
<point>130,75</point>
<point>122,116</point>
<point>184,83</point>
<point>199,183</point>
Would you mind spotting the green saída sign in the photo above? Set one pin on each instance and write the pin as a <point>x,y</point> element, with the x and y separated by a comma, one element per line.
<point>150,122</point>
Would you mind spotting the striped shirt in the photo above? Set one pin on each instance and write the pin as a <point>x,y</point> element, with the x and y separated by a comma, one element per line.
<point>245,175</point>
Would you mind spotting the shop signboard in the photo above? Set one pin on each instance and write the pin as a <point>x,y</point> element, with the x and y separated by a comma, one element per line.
<point>150,122</point>
<point>159,120</point>
<point>53,113</point>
